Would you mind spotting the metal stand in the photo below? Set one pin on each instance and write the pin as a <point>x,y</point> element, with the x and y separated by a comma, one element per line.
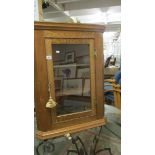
<point>48,147</point>
<point>82,149</point>
<point>79,151</point>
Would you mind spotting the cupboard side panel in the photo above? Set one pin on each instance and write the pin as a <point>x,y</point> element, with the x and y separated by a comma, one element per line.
<point>99,74</point>
<point>43,115</point>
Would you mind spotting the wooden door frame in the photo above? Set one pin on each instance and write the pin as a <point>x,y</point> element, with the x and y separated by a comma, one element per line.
<point>67,117</point>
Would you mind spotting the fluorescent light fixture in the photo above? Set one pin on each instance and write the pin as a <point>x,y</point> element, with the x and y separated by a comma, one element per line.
<point>67,13</point>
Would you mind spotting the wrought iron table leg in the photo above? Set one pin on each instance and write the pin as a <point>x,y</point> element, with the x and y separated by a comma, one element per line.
<point>79,151</point>
<point>48,147</point>
<point>94,145</point>
<point>82,150</point>
<point>37,148</point>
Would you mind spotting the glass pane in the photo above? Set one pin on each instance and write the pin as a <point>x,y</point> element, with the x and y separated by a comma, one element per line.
<point>72,77</point>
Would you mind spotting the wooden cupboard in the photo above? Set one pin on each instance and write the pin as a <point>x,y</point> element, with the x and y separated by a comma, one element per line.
<point>68,77</point>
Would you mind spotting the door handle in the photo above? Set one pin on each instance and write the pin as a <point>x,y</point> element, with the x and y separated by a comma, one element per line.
<point>50,103</point>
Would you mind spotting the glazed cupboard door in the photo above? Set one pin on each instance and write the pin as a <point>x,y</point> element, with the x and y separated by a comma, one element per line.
<point>68,78</point>
<point>71,78</point>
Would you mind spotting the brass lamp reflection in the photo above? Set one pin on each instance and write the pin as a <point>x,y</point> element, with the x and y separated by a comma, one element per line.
<point>51,103</point>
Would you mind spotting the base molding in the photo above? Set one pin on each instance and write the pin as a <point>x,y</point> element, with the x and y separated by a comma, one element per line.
<point>71,129</point>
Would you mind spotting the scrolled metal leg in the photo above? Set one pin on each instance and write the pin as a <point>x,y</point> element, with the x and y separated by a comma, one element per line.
<point>82,150</point>
<point>94,145</point>
<point>37,148</point>
<point>79,150</point>
<point>83,146</point>
<point>48,147</point>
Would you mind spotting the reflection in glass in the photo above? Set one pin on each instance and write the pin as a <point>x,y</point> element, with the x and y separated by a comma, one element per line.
<point>72,77</point>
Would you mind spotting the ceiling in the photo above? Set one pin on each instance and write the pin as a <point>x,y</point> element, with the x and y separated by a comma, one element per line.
<point>106,12</point>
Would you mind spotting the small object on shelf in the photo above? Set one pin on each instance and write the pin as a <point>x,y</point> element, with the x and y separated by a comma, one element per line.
<point>83,73</point>
<point>70,57</point>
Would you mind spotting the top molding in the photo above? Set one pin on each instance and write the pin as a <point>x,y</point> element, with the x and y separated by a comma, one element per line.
<point>68,26</point>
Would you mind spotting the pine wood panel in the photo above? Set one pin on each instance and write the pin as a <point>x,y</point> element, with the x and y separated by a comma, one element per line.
<point>69,27</point>
<point>99,74</point>
<point>71,129</point>
<point>68,34</point>
<point>47,123</point>
<point>40,83</point>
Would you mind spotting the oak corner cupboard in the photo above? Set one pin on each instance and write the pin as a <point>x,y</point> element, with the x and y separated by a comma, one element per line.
<point>68,77</point>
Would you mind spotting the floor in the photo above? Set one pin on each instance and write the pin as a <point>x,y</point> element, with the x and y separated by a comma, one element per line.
<point>110,137</point>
